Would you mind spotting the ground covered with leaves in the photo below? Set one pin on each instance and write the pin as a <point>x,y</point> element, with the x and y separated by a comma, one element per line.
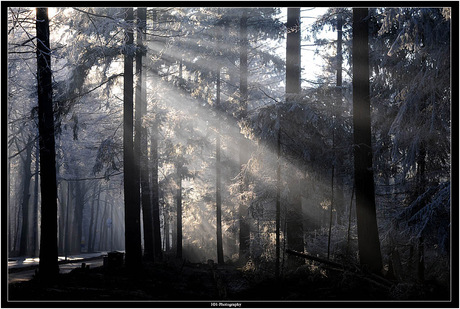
<point>178,280</point>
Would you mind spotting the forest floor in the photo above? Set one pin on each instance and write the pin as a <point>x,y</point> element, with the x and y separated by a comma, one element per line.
<point>176,280</point>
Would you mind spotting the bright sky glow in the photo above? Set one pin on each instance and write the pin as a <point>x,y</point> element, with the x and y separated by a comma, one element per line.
<point>312,65</point>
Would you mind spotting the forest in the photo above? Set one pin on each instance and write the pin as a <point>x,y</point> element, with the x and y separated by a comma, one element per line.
<point>230,153</point>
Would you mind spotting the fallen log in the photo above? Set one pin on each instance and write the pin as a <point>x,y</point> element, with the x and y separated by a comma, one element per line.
<point>368,276</point>
<point>314,258</point>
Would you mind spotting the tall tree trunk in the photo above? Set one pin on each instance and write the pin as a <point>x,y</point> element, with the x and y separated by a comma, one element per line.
<point>179,212</point>
<point>18,231</point>
<point>78,215</point>
<point>334,115</point>
<point>27,176</point>
<point>155,192</point>
<point>48,266</point>
<point>293,41</point>
<point>62,210</point>
<point>111,227</point>
<point>133,246</point>
<point>293,88</point>
<point>8,183</point>
<point>91,220</point>
<point>103,234</point>
<point>278,198</point>
<point>166,228</point>
<point>220,250</point>
<point>368,237</point>
<point>96,225</point>
<point>339,193</point>
<point>332,205</point>
<point>349,221</point>
<point>243,151</point>
<point>35,203</point>
<point>154,179</point>
<point>141,136</point>
<point>67,225</point>
<point>173,232</point>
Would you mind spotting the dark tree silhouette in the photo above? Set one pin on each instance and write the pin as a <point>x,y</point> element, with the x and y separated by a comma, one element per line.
<point>140,138</point>
<point>368,238</point>
<point>131,172</point>
<point>48,266</point>
<point>220,250</point>
<point>293,88</point>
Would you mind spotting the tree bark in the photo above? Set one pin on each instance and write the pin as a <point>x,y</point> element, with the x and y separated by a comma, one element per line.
<point>368,237</point>
<point>27,176</point>
<point>293,41</point>
<point>67,225</point>
<point>92,219</point>
<point>155,192</point>
<point>48,266</point>
<point>78,215</point>
<point>219,244</point>
<point>155,196</point>
<point>133,246</point>
<point>278,200</point>
<point>179,212</point>
<point>339,192</point>
<point>102,234</point>
<point>166,232</point>
<point>141,136</point>
<point>220,252</point>
<point>98,201</point>
<point>334,116</point>
<point>293,89</point>
<point>35,203</point>
<point>61,222</point>
<point>332,207</point>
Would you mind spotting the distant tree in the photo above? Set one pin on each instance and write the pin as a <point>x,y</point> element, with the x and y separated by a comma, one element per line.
<point>26,178</point>
<point>92,225</point>
<point>80,190</point>
<point>155,194</point>
<point>368,237</point>
<point>131,171</point>
<point>48,266</point>
<point>179,166</point>
<point>35,245</point>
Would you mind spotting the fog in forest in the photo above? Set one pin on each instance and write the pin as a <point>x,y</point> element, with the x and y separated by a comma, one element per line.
<point>265,139</point>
